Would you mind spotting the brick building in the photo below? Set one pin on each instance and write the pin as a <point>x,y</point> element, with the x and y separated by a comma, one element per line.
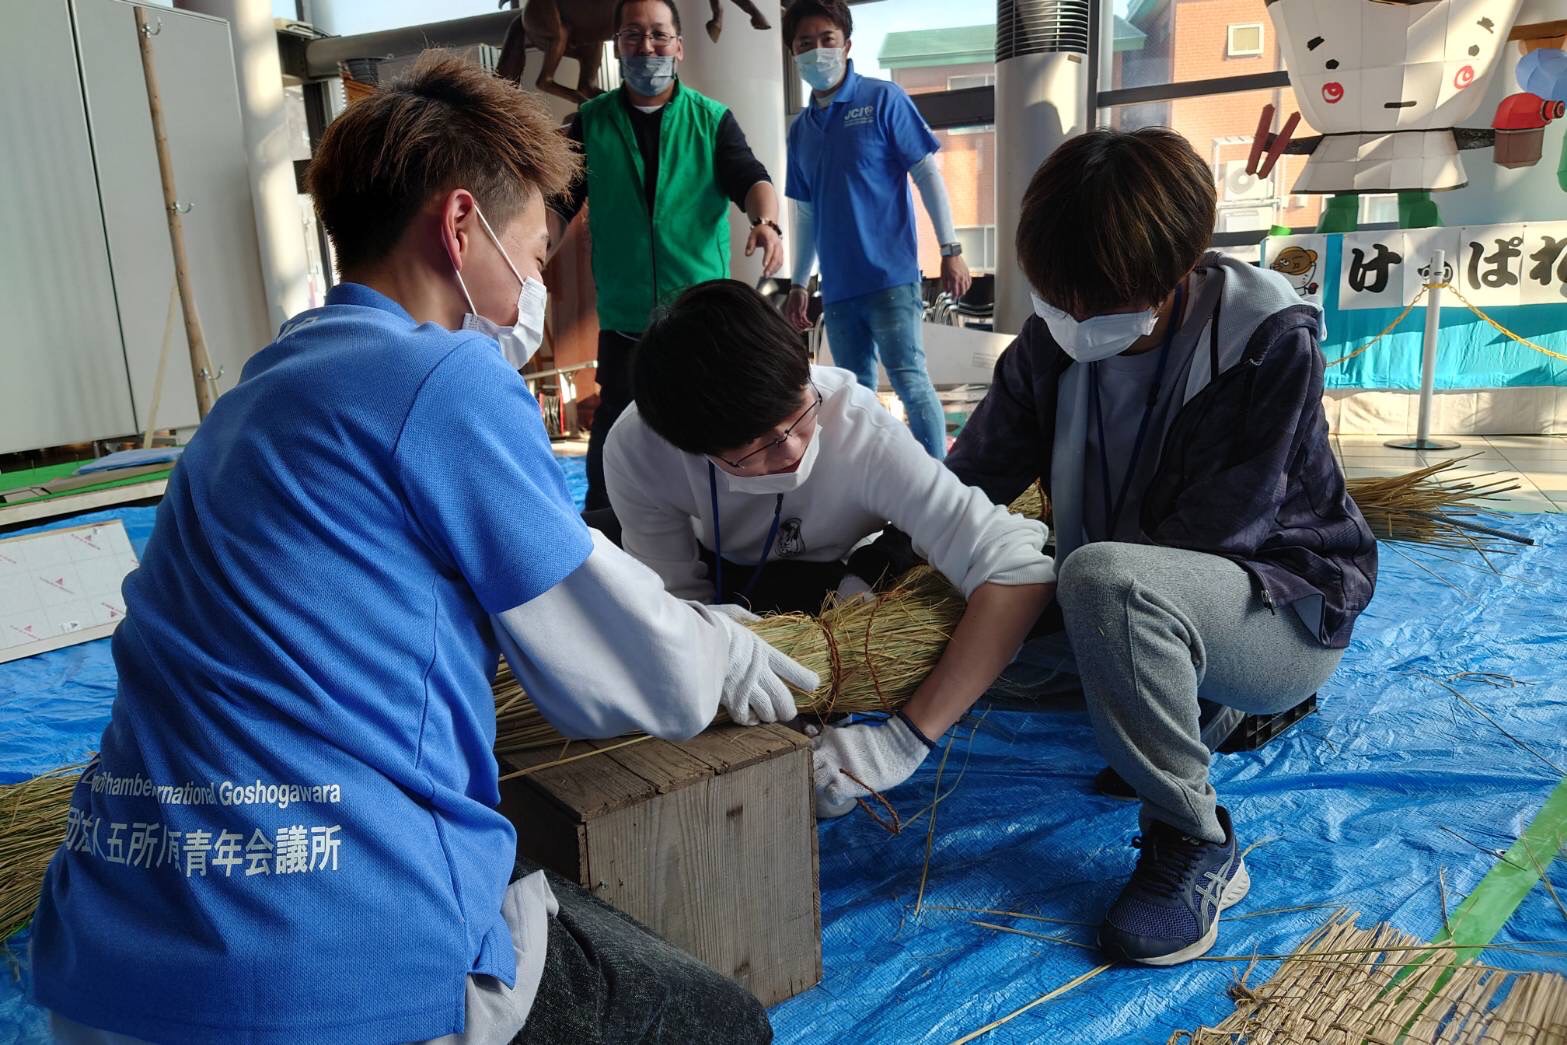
<point>1188,40</point>
<point>1158,42</point>
<point>927,60</point>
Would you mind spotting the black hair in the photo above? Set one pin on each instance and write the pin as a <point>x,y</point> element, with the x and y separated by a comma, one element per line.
<point>835,11</point>
<point>674,12</point>
<point>1115,218</point>
<point>718,368</point>
<point>446,125</point>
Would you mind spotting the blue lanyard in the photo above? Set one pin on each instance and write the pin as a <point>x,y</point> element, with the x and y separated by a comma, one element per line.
<point>718,543</point>
<point>1114,508</point>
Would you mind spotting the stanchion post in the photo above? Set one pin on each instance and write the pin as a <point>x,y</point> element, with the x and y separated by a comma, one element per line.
<point>1422,439</point>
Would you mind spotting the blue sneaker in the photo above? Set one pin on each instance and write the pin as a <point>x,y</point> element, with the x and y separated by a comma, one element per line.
<point>1169,912</point>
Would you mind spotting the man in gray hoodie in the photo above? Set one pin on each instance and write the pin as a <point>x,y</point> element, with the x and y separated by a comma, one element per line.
<point>1169,401</point>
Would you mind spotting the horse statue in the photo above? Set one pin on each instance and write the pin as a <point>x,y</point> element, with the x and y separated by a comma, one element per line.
<point>579,29</point>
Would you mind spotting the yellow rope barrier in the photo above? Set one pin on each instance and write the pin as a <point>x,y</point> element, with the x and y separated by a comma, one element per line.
<point>1503,330</point>
<point>1459,295</point>
<point>1385,330</point>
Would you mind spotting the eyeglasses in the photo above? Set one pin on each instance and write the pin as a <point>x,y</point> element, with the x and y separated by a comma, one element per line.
<point>782,439</point>
<point>632,38</point>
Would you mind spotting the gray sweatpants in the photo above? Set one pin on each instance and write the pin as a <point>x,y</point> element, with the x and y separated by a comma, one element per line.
<point>1151,629</point>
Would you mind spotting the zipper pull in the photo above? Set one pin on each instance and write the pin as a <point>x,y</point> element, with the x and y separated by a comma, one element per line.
<point>1267,599</point>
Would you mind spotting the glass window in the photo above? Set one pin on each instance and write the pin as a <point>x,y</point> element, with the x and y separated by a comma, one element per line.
<point>1220,128</point>
<point>967,158</point>
<point>952,48</point>
<point>349,19</point>
<point>1245,40</point>
<point>1174,41</point>
<point>958,83</point>
<point>926,45</point>
<point>979,247</point>
<point>1379,208</point>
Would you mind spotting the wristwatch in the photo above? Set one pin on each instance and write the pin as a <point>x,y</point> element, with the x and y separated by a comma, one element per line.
<point>951,250</point>
<point>770,223</point>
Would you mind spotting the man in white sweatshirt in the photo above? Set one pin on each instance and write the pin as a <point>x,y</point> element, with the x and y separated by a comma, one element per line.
<point>743,473</point>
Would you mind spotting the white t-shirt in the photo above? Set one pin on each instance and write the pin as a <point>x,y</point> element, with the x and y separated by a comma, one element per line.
<point>869,472</point>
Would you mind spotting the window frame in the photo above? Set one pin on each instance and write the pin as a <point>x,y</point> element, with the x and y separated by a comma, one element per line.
<point>985,259</point>
<point>970,106</point>
<point>1231,51</point>
<point>1101,101</point>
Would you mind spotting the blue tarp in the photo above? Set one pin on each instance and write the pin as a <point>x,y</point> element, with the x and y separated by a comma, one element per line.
<point>1358,805</point>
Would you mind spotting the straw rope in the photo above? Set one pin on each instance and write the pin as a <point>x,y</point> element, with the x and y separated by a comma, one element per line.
<point>1448,286</point>
<point>1385,330</point>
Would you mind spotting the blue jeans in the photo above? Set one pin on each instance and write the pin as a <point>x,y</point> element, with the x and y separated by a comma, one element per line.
<point>887,323</point>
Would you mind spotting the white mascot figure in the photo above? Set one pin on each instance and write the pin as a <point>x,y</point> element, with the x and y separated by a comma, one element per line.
<point>1386,82</point>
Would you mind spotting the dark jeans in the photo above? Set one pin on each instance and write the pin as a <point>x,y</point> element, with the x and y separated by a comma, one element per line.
<point>614,378</point>
<point>608,979</point>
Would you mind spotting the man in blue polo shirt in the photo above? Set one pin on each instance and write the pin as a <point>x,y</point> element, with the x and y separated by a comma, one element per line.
<point>290,832</point>
<point>851,154</point>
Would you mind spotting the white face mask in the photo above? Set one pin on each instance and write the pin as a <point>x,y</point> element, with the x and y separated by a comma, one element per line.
<point>780,482</point>
<point>821,68</point>
<point>1097,337</point>
<point>522,339</point>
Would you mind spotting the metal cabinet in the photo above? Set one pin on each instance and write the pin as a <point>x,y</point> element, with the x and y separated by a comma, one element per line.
<point>62,365</point>
<point>101,219</point>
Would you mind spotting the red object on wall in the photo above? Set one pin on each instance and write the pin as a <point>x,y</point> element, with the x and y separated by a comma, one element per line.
<point>1520,128</point>
<point>1525,111</point>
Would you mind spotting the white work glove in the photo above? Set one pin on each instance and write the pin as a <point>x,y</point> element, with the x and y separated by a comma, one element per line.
<point>881,755</point>
<point>852,587</point>
<point>756,686</point>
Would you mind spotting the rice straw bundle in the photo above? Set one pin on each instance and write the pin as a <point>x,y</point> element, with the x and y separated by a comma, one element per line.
<point>1428,507</point>
<point>1345,985</point>
<point>871,655</point>
<point>1031,503</point>
<point>1425,506</point>
<point>32,824</point>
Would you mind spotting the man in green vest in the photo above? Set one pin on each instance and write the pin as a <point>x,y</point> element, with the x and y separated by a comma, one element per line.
<point>663,165</point>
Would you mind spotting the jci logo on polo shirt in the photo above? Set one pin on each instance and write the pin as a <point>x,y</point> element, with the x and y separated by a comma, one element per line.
<point>859,116</point>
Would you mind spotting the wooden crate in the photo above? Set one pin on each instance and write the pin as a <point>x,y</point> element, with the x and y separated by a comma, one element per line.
<point>710,842</point>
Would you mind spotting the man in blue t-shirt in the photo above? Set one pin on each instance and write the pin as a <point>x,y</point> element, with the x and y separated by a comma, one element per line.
<point>851,154</point>
<point>290,832</point>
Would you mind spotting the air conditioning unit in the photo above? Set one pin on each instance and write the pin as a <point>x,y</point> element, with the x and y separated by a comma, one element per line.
<point>1041,100</point>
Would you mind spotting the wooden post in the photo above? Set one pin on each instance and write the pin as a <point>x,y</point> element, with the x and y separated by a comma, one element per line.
<point>163,362</point>
<point>200,361</point>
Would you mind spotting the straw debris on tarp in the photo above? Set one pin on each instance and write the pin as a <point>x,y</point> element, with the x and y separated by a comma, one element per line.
<point>33,814</point>
<point>1346,985</point>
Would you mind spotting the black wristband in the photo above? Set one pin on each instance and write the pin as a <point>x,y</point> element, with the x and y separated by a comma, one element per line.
<point>930,745</point>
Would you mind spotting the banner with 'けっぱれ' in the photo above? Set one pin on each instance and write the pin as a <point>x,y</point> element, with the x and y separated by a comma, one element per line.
<point>1515,273</point>
<point>1491,265</point>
